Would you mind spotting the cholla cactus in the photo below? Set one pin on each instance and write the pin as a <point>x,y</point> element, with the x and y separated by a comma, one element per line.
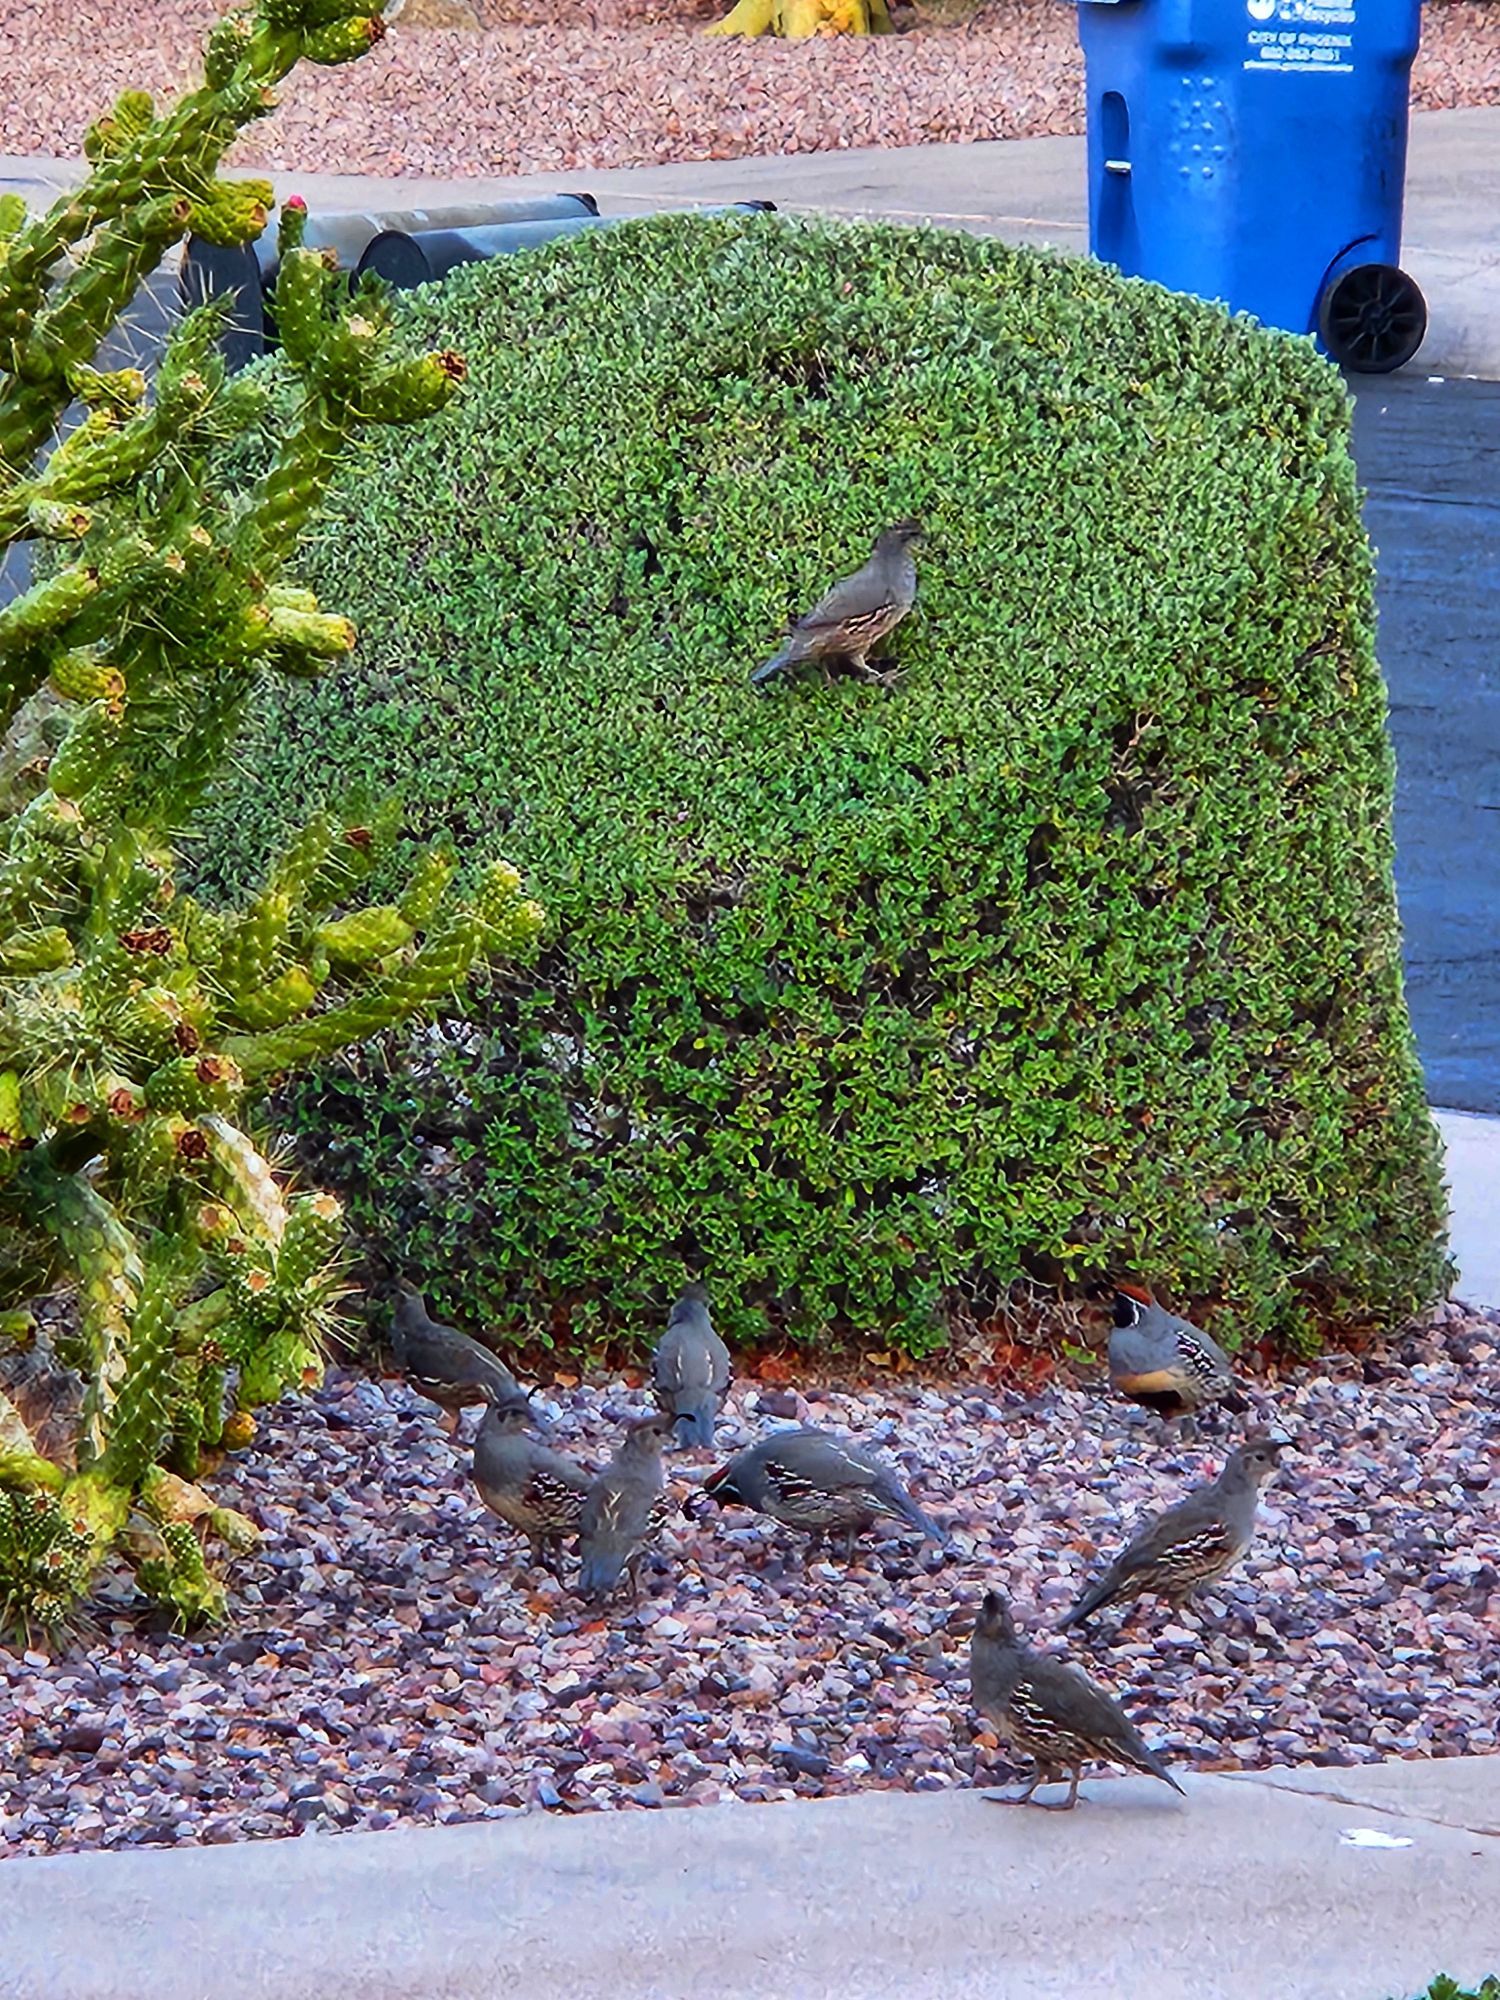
<point>133,1022</point>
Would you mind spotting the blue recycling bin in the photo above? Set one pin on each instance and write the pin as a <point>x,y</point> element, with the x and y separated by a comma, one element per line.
<point>1254,152</point>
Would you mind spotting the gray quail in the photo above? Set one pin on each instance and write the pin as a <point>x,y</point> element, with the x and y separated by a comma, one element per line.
<point>690,1369</point>
<point>1162,1362</point>
<point>528,1485</point>
<point>822,1484</point>
<point>623,1509</point>
<point>444,1365</point>
<point>1049,1712</point>
<point>1192,1544</point>
<point>850,620</point>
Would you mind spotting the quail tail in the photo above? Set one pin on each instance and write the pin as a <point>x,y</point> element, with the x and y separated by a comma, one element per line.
<point>695,1421</point>
<point>600,1574</point>
<point>1090,1602</point>
<point>771,668</point>
<point>1149,1761</point>
<point>902,1503</point>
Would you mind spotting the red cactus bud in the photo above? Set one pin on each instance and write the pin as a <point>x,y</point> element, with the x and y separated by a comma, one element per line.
<point>154,938</point>
<point>191,1145</point>
<point>187,1038</point>
<point>295,201</point>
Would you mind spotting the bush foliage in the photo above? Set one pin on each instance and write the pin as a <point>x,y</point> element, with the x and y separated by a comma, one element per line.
<point>1077,948</point>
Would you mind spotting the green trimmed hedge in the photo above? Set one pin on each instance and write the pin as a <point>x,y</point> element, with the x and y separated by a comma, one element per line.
<point>1078,947</point>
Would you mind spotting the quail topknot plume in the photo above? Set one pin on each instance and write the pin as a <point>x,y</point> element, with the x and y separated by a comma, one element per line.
<point>812,1480</point>
<point>444,1365</point>
<point>690,1369</point>
<point>852,618</point>
<point>1194,1543</point>
<point>528,1485</point>
<point>623,1509</point>
<point>1049,1712</point>
<point>1163,1362</point>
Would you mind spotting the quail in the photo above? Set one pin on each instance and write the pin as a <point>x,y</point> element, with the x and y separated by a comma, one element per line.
<point>811,1480</point>
<point>852,618</point>
<point>690,1369</point>
<point>446,1366</point>
<point>1049,1712</point>
<point>1162,1362</point>
<point>528,1485</point>
<point>623,1508</point>
<point>1192,1544</point>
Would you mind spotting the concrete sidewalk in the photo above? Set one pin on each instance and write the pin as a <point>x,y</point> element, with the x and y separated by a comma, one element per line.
<point>1025,190</point>
<point>1473,1175</point>
<point>1251,1889</point>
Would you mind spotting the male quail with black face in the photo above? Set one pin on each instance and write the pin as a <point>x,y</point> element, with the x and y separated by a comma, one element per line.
<point>1162,1362</point>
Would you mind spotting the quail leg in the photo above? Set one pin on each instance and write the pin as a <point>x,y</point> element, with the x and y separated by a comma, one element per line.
<point>1021,1798</point>
<point>1067,1804</point>
<point>886,677</point>
<point>633,1571</point>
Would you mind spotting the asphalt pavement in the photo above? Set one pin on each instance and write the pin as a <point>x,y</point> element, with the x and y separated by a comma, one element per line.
<point>1429,456</point>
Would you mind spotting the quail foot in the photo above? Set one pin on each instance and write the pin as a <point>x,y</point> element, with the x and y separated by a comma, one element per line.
<point>1049,1712</point>
<point>851,619</point>
<point>1192,1544</point>
<point>690,1369</point>
<point>811,1480</point>
<point>623,1509</point>
<point>528,1485</point>
<point>444,1365</point>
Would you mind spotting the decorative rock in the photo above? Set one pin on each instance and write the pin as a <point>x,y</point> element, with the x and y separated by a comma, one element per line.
<point>411,1674</point>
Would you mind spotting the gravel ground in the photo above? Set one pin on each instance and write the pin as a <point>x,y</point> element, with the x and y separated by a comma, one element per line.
<point>388,1663</point>
<point>621,83</point>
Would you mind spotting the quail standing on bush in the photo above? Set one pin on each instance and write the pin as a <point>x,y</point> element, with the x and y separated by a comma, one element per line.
<point>810,1480</point>
<point>528,1485</point>
<point>851,620</point>
<point>1192,1544</point>
<point>1049,1712</point>
<point>690,1369</point>
<point>623,1509</point>
<point>1162,1362</point>
<point>446,1366</point>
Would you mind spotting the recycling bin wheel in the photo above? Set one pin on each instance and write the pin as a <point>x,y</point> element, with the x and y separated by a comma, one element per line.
<point>1372,319</point>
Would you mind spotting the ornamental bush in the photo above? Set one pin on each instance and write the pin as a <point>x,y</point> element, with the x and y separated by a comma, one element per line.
<point>1077,948</point>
